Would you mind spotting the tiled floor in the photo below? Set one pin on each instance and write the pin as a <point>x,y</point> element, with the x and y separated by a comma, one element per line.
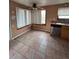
<point>38,45</point>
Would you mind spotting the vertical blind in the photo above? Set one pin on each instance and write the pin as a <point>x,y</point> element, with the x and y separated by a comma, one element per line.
<point>20,13</point>
<point>28,17</point>
<point>39,17</point>
<point>43,16</point>
<point>23,17</point>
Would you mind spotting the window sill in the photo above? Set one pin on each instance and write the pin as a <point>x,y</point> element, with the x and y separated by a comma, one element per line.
<point>38,24</point>
<point>23,27</point>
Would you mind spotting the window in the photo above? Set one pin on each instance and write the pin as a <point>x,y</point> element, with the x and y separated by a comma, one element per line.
<point>39,17</point>
<point>43,16</point>
<point>63,13</point>
<point>28,17</point>
<point>23,17</point>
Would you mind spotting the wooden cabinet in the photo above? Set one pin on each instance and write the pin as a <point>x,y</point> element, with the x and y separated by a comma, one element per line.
<point>65,32</point>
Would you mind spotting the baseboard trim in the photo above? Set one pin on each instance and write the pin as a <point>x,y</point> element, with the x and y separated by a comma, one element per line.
<point>41,30</point>
<point>21,34</point>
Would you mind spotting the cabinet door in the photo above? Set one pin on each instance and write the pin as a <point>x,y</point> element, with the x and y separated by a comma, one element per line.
<point>65,32</point>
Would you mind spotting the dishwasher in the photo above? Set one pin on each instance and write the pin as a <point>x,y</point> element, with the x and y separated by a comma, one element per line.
<point>55,30</point>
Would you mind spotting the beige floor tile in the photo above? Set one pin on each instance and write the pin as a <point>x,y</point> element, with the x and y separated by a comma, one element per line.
<point>38,45</point>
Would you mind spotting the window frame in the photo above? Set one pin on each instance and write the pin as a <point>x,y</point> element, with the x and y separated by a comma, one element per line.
<point>25,18</point>
<point>45,19</point>
<point>45,16</point>
<point>63,15</point>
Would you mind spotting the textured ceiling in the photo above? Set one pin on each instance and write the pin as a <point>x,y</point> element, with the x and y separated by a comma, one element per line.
<point>41,2</point>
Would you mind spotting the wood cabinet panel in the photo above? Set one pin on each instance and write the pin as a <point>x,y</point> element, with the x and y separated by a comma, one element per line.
<point>65,32</point>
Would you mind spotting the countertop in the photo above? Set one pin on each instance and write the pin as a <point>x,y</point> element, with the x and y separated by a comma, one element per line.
<point>61,24</point>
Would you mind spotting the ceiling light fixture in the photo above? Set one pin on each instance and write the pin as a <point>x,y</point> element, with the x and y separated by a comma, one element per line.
<point>34,7</point>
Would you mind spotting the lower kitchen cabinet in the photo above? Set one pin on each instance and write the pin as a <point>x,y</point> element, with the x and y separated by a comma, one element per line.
<point>65,32</point>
